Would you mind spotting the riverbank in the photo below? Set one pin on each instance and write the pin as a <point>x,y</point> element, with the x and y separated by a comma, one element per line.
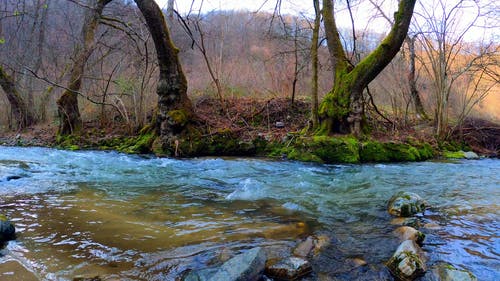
<point>274,128</point>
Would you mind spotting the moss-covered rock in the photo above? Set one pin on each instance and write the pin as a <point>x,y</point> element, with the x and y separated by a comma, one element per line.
<point>335,150</point>
<point>447,272</point>
<point>405,204</point>
<point>372,151</point>
<point>408,262</point>
<point>401,152</point>
<point>453,154</point>
<point>409,233</point>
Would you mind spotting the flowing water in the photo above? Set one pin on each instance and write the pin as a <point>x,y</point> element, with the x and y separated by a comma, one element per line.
<point>128,217</point>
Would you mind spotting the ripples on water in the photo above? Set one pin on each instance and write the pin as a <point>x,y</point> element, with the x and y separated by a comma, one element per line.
<point>104,213</point>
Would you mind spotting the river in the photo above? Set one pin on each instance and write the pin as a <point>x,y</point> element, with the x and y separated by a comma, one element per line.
<point>130,217</point>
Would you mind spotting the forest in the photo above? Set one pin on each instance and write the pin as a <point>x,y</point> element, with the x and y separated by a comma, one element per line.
<point>80,74</point>
<point>267,140</point>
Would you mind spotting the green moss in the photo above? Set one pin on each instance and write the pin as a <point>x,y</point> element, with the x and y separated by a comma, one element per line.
<point>179,117</point>
<point>73,147</point>
<point>400,152</point>
<point>3,218</point>
<point>373,151</point>
<point>426,151</point>
<point>305,156</point>
<point>453,154</point>
<point>334,150</point>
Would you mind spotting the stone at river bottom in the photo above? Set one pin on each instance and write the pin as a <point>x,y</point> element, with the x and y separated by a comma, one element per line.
<point>247,266</point>
<point>290,268</point>
<point>7,230</point>
<point>405,204</point>
<point>409,233</point>
<point>408,261</point>
<point>446,272</point>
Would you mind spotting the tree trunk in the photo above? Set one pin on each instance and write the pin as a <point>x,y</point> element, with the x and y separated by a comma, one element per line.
<point>22,116</point>
<point>67,104</point>
<point>174,107</point>
<point>314,62</point>
<point>342,108</point>
<point>415,96</point>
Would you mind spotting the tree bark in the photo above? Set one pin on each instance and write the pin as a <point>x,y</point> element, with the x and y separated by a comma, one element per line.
<point>22,116</point>
<point>174,107</point>
<point>314,62</point>
<point>67,105</point>
<point>342,110</point>
<point>412,80</point>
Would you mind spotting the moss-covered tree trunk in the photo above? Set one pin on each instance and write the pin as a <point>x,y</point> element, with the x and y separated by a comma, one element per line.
<point>342,109</point>
<point>22,115</point>
<point>67,104</point>
<point>174,107</point>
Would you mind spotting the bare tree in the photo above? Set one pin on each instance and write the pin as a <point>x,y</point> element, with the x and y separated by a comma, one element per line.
<point>314,62</point>
<point>68,111</point>
<point>446,56</point>
<point>19,108</point>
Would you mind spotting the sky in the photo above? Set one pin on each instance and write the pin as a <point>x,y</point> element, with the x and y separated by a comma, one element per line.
<point>363,12</point>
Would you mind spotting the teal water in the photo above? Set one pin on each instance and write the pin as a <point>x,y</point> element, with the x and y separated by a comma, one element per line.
<point>144,218</point>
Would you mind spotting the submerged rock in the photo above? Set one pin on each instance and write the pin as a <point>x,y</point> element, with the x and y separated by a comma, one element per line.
<point>304,248</point>
<point>409,233</point>
<point>447,272</point>
<point>7,230</point>
<point>405,204</point>
<point>247,266</point>
<point>200,275</point>
<point>408,262</point>
<point>14,177</point>
<point>289,269</point>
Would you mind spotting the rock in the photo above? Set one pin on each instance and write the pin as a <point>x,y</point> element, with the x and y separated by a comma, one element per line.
<point>412,221</point>
<point>95,278</point>
<point>470,155</point>
<point>409,233</point>
<point>247,266</point>
<point>289,269</point>
<point>9,178</point>
<point>279,125</point>
<point>407,262</point>
<point>432,226</point>
<point>200,275</point>
<point>304,248</point>
<point>447,272</point>
<point>7,230</point>
<point>405,204</point>
<point>357,262</point>
<point>320,242</point>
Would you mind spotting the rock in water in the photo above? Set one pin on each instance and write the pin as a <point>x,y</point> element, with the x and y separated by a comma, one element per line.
<point>409,233</point>
<point>247,266</point>
<point>7,230</point>
<point>470,155</point>
<point>408,261</point>
<point>447,272</point>
<point>304,248</point>
<point>405,204</point>
<point>289,269</point>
